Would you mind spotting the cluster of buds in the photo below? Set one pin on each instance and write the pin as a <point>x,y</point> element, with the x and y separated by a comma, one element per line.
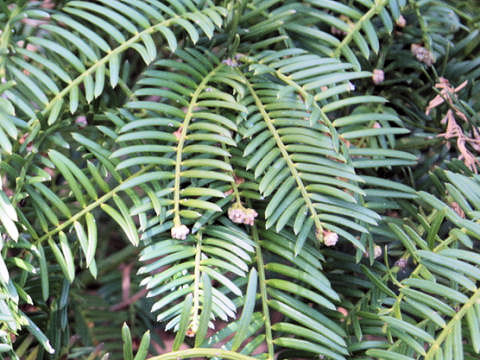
<point>240,215</point>
<point>378,76</point>
<point>179,232</point>
<point>422,54</point>
<point>250,216</point>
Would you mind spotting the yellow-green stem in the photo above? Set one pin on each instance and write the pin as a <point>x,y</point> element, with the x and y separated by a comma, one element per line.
<point>79,79</point>
<point>101,200</point>
<point>202,352</point>
<point>181,142</point>
<point>417,270</point>
<point>286,156</point>
<point>448,328</point>
<point>235,190</point>
<point>379,5</point>
<point>118,50</point>
<point>423,25</point>
<point>304,93</point>
<point>196,284</point>
<point>263,293</point>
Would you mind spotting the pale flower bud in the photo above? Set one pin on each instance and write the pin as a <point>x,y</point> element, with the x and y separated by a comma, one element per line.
<point>180,232</point>
<point>239,215</point>
<point>81,121</point>
<point>422,54</point>
<point>401,263</point>
<point>377,251</point>
<point>236,214</point>
<point>230,62</point>
<point>250,216</point>
<point>458,209</point>
<point>342,311</point>
<point>401,22</point>
<point>378,76</point>
<point>330,238</point>
<point>178,133</point>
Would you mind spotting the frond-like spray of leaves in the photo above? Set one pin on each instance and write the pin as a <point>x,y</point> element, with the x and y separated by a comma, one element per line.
<point>185,124</point>
<point>281,170</point>
<point>187,282</point>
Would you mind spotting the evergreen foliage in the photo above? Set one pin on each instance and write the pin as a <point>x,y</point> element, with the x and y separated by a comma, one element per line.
<point>261,178</point>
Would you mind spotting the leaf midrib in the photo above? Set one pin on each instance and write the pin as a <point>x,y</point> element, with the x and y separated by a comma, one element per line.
<point>181,142</point>
<point>101,200</point>
<point>136,38</point>
<point>285,155</point>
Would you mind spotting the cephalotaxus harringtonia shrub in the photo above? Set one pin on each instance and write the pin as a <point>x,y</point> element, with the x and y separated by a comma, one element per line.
<point>239,179</point>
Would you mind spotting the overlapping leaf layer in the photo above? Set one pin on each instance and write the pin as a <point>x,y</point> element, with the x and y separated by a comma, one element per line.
<point>265,164</point>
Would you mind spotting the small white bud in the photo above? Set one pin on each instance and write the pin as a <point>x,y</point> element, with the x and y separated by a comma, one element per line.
<point>250,216</point>
<point>378,76</point>
<point>401,263</point>
<point>230,62</point>
<point>236,214</point>
<point>401,22</point>
<point>180,232</point>
<point>422,54</point>
<point>330,238</point>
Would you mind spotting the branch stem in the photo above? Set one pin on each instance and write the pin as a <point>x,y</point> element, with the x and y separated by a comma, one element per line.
<point>379,5</point>
<point>196,284</point>
<point>202,352</point>
<point>101,200</point>
<point>449,327</point>
<point>181,142</point>
<point>423,26</point>
<point>235,190</point>
<point>283,150</point>
<point>263,293</point>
